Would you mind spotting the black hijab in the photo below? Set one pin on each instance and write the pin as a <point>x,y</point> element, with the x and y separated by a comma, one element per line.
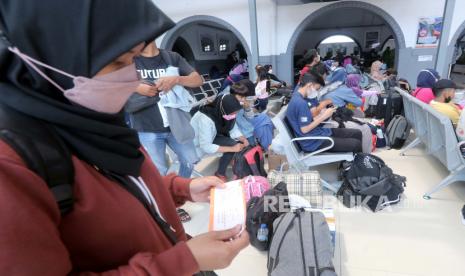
<point>223,105</point>
<point>79,37</point>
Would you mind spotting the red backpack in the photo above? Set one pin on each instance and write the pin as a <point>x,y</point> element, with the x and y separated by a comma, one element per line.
<point>249,161</point>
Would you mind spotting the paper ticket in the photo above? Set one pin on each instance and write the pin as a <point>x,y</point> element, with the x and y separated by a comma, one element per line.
<point>227,206</point>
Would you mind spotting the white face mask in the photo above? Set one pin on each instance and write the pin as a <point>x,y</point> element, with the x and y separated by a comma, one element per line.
<point>270,71</point>
<point>312,93</point>
<point>106,94</point>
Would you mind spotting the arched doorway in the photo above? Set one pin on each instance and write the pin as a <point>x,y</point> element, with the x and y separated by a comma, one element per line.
<point>338,44</point>
<point>216,44</point>
<point>366,22</point>
<point>184,49</point>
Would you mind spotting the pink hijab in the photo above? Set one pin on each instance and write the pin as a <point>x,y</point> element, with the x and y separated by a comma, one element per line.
<point>376,71</point>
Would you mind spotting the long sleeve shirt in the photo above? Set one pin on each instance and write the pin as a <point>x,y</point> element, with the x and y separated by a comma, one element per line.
<point>108,232</point>
<point>205,133</point>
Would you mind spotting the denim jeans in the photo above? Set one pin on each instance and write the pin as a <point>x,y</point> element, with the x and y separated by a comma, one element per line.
<point>155,145</point>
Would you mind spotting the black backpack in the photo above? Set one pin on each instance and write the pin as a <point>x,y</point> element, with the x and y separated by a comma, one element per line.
<point>249,161</point>
<point>257,214</point>
<point>368,180</point>
<point>343,114</point>
<point>43,151</point>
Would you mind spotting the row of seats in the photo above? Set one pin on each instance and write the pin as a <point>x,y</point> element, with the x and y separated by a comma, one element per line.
<point>431,128</point>
<point>300,160</point>
<point>436,132</point>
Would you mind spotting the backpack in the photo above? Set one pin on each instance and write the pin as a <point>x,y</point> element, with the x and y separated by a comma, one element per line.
<point>368,180</point>
<point>301,245</point>
<point>264,210</point>
<point>397,132</point>
<point>249,161</point>
<point>43,151</point>
<point>343,114</point>
<point>255,186</point>
<point>344,117</point>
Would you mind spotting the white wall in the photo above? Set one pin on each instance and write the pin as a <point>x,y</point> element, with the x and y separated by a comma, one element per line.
<point>235,13</point>
<point>405,12</point>
<point>457,20</point>
<point>192,36</point>
<point>276,25</point>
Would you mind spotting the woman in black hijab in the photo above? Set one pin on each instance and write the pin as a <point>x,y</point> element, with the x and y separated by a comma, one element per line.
<point>222,112</point>
<point>95,40</point>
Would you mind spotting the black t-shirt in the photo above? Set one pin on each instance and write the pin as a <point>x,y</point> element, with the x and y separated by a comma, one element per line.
<point>144,113</point>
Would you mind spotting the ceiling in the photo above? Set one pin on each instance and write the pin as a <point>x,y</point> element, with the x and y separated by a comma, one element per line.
<point>346,18</point>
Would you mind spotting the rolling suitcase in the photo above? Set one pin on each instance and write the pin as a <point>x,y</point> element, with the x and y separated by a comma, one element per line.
<point>389,105</point>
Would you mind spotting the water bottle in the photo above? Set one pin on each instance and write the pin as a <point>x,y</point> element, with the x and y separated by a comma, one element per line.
<point>379,133</point>
<point>262,234</point>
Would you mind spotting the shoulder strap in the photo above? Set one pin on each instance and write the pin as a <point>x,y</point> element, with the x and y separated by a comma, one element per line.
<point>43,152</point>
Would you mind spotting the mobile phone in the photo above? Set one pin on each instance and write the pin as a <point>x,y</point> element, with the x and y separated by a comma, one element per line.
<point>148,82</point>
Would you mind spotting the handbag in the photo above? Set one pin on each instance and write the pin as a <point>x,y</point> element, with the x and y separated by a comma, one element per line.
<point>305,184</point>
<point>255,186</point>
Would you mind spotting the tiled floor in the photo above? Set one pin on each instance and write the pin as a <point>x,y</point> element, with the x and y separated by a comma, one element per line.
<point>415,238</point>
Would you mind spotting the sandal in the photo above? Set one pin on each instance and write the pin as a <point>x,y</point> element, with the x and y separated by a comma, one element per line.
<point>183,215</point>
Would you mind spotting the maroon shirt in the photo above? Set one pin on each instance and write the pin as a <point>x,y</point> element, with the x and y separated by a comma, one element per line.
<point>109,231</point>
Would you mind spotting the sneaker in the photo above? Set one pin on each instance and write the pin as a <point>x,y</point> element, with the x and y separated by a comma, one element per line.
<point>463,215</point>
<point>222,177</point>
<point>183,215</point>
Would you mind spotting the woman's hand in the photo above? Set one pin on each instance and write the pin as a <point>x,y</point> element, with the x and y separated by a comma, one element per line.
<point>200,187</point>
<point>244,141</point>
<point>217,249</point>
<point>237,148</point>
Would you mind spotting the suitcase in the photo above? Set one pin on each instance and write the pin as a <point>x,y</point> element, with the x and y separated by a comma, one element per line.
<point>389,105</point>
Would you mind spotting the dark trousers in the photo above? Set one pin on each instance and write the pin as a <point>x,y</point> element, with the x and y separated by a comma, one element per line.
<point>261,104</point>
<point>345,140</point>
<point>227,157</point>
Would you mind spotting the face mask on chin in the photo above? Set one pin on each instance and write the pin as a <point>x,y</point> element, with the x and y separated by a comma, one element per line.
<point>105,94</point>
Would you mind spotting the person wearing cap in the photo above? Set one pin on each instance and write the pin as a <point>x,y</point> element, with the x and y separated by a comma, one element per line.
<point>444,92</point>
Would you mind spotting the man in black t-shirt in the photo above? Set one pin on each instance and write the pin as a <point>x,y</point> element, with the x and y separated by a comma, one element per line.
<point>149,118</point>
